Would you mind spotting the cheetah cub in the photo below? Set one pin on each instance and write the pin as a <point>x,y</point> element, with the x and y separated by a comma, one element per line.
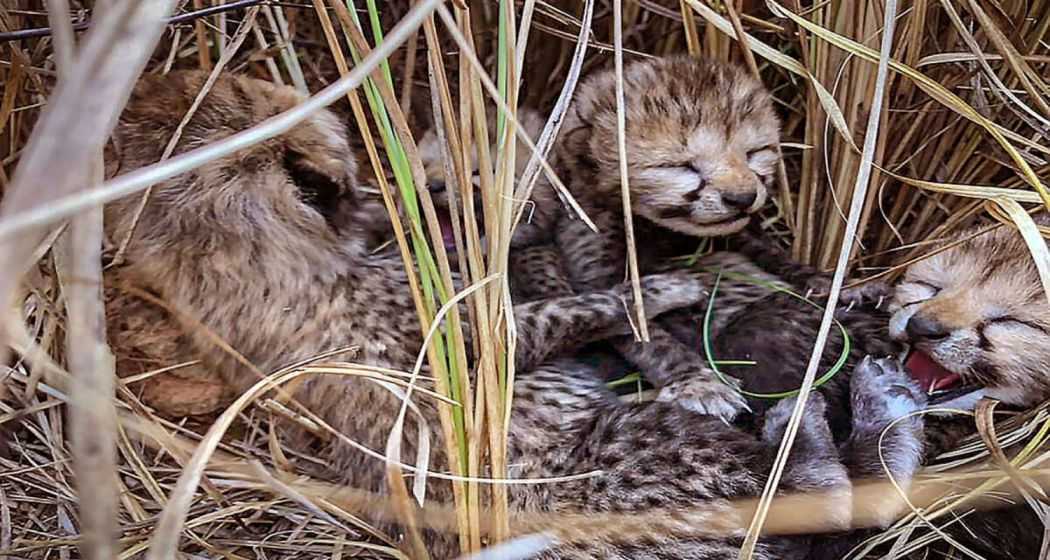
<point>702,147</point>
<point>538,224</point>
<point>973,319</point>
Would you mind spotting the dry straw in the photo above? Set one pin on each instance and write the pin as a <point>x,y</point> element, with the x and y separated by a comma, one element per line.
<point>956,91</point>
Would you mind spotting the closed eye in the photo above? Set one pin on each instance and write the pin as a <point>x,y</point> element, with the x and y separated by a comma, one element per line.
<point>675,167</point>
<point>934,290</point>
<point>1008,320</point>
<point>756,151</point>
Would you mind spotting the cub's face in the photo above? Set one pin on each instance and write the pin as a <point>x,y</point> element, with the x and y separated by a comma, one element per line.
<point>543,204</point>
<point>976,316</point>
<point>432,151</point>
<point>702,143</point>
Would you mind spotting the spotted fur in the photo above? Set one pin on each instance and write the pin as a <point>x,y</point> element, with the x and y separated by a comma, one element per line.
<point>263,250</point>
<point>977,308</point>
<point>980,311</point>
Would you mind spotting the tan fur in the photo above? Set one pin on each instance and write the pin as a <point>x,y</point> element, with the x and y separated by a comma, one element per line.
<point>264,250</point>
<point>986,302</point>
<point>145,338</point>
<point>700,134</point>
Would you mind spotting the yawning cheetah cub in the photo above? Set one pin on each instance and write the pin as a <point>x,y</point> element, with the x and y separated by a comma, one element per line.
<point>975,317</point>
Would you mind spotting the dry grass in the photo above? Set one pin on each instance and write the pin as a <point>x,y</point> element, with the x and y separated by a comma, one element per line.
<point>962,134</point>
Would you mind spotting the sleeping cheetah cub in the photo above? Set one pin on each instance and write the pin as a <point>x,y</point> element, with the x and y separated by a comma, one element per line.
<point>261,250</point>
<point>702,148</point>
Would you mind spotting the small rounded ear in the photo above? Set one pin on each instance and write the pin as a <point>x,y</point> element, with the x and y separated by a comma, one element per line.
<point>315,188</point>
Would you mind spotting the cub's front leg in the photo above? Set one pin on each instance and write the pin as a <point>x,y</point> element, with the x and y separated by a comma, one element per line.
<point>595,261</point>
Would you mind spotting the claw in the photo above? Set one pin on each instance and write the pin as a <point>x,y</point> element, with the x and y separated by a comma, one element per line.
<point>705,396</point>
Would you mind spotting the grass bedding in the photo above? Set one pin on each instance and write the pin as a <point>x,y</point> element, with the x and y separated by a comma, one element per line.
<point>961,137</point>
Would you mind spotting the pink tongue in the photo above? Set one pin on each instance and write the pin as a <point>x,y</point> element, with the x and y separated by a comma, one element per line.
<point>447,235</point>
<point>930,375</point>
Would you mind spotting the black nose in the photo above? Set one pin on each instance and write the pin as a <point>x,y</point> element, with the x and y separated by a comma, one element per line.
<point>739,200</point>
<point>436,186</point>
<point>920,327</point>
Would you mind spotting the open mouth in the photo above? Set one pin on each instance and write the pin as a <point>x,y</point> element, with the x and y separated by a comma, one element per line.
<point>448,236</point>
<point>940,383</point>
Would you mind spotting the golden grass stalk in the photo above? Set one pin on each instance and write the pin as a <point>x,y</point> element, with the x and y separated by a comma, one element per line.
<point>408,174</point>
<point>856,207</point>
<point>625,192</point>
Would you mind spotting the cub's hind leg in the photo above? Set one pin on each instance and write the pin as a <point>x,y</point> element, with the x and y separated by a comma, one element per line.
<point>886,442</point>
<point>813,466</point>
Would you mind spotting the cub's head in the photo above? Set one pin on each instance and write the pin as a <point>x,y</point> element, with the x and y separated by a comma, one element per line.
<point>539,214</point>
<point>702,143</point>
<point>432,151</point>
<point>292,195</point>
<point>977,317</point>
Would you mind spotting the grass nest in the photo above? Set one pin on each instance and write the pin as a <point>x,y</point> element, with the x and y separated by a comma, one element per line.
<point>87,470</point>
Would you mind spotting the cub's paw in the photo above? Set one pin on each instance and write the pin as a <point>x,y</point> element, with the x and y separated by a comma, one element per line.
<point>874,294</point>
<point>869,294</point>
<point>881,392</point>
<point>706,396</point>
<point>669,291</point>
